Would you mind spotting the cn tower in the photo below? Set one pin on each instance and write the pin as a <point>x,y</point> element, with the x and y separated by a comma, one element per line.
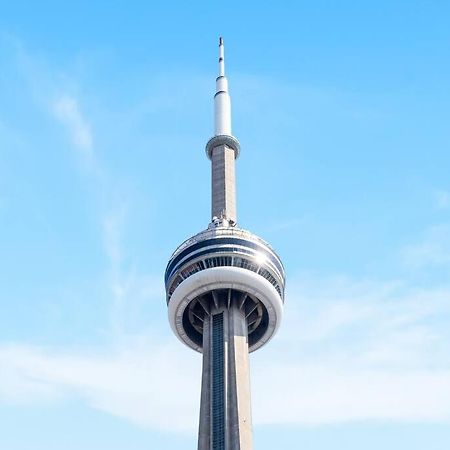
<point>225,294</point>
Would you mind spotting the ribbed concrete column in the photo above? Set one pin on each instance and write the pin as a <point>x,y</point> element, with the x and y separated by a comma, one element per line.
<point>223,183</point>
<point>225,412</point>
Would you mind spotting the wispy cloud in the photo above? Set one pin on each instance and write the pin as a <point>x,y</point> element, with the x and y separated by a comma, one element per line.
<point>53,90</point>
<point>126,382</point>
<point>56,92</point>
<point>133,295</point>
<point>384,323</point>
<point>352,350</point>
<point>67,110</point>
<point>328,393</point>
<point>441,199</point>
<point>357,350</point>
<point>433,249</point>
<point>112,230</point>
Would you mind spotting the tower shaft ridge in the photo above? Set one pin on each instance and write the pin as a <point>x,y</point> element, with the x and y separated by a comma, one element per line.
<point>225,412</point>
<point>225,294</point>
<point>223,184</point>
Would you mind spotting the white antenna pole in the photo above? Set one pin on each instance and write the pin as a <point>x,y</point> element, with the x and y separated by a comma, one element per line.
<point>222,103</point>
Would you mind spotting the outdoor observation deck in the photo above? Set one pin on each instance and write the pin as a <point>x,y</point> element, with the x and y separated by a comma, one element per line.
<point>220,247</point>
<point>222,267</point>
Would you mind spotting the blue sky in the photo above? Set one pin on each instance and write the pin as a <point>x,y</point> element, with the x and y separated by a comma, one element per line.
<point>342,110</point>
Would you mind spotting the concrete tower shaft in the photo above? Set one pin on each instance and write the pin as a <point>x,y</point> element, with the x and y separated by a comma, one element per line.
<point>225,409</point>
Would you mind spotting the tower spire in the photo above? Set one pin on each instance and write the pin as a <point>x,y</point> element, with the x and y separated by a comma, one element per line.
<point>221,58</point>
<point>222,103</point>
<point>222,149</point>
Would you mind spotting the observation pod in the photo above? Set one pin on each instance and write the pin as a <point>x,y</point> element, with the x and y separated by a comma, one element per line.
<point>218,268</point>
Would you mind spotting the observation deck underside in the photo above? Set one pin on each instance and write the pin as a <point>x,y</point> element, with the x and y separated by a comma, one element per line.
<point>225,413</point>
<point>205,305</point>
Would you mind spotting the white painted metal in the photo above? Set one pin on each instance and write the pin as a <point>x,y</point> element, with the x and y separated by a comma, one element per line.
<point>222,102</point>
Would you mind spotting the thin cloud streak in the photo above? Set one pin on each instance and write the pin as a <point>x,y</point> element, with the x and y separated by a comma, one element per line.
<point>442,199</point>
<point>316,395</point>
<point>432,250</point>
<point>67,110</point>
<point>146,384</point>
<point>370,355</point>
<point>357,350</point>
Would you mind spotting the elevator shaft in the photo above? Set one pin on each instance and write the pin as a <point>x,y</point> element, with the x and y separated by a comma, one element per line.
<point>225,412</point>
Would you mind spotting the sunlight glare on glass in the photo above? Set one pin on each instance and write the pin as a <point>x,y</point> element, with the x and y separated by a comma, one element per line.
<point>260,258</point>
